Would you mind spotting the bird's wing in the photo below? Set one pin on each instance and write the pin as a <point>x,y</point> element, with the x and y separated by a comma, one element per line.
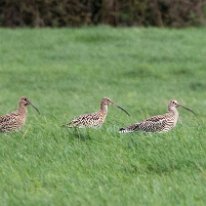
<point>8,117</point>
<point>7,120</point>
<point>152,124</point>
<point>84,120</point>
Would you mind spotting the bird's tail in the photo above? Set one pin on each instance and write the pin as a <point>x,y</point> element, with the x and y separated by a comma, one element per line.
<point>129,129</point>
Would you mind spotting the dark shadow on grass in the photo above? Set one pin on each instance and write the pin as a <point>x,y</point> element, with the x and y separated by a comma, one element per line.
<point>141,72</point>
<point>162,169</point>
<point>177,165</point>
<point>182,72</point>
<point>95,38</point>
<point>197,86</point>
<point>168,168</point>
<point>79,134</point>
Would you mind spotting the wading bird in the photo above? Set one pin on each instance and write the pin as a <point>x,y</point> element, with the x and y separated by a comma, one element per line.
<point>96,119</point>
<point>159,123</point>
<point>14,121</point>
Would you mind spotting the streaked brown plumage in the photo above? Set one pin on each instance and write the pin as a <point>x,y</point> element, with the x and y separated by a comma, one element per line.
<point>15,120</point>
<point>93,119</point>
<point>159,123</point>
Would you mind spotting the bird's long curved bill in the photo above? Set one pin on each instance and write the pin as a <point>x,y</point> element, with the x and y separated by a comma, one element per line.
<point>188,109</point>
<point>122,109</point>
<point>35,108</point>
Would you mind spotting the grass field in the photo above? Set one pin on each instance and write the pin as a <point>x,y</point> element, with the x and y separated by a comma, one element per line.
<point>65,72</point>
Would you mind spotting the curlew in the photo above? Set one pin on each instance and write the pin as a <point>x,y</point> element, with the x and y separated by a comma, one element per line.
<point>96,119</point>
<point>14,121</point>
<point>159,123</point>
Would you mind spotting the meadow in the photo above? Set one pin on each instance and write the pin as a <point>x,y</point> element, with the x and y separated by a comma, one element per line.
<point>66,72</point>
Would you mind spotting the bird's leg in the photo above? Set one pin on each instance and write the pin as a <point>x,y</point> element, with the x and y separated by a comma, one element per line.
<point>88,134</point>
<point>77,133</point>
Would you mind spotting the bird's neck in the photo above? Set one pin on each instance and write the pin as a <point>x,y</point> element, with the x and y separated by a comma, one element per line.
<point>104,108</point>
<point>174,111</point>
<point>22,110</point>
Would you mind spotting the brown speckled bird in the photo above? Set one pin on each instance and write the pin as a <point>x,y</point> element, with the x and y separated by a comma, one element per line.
<point>15,120</point>
<point>96,119</point>
<point>159,123</point>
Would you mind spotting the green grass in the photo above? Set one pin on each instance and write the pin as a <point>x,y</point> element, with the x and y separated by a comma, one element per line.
<point>65,72</point>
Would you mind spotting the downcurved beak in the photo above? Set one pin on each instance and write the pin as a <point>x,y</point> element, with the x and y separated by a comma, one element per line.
<point>188,109</point>
<point>35,108</point>
<point>119,107</point>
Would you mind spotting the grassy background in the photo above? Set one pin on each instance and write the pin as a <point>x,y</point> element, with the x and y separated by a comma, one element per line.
<point>65,72</point>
